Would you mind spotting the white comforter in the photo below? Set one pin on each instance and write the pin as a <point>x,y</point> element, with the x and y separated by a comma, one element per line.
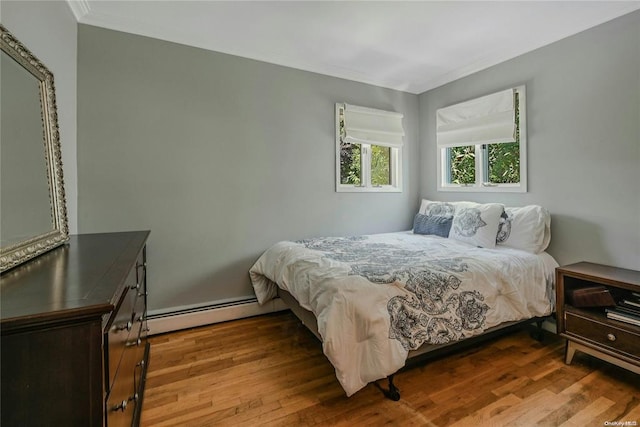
<point>376,297</point>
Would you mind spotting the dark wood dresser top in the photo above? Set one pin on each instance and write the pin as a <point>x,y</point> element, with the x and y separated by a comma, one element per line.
<point>77,279</point>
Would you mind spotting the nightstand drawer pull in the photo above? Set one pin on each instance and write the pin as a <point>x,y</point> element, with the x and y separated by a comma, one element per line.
<point>611,337</point>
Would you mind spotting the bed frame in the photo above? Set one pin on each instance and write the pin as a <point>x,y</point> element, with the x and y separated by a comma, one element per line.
<point>426,351</point>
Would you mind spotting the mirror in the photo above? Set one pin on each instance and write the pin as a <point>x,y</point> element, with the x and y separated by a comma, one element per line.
<point>33,213</point>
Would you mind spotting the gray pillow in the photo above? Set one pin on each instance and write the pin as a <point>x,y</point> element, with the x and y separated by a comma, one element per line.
<point>434,225</point>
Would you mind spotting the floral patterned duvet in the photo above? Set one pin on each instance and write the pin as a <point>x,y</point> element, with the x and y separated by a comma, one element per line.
<point>378,296</point>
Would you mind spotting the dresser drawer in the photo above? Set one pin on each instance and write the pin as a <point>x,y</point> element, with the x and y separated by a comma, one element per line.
<point>118,336</point>
<point>603,334</point>
<point>125,393</point>
<point>123,397</point>
<point>140,271</point>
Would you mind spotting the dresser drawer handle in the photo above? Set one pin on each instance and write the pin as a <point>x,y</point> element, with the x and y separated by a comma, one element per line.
<point>611,337</point>
<point>128,326</point>
<point>132,343</point>
<point>121,407</point>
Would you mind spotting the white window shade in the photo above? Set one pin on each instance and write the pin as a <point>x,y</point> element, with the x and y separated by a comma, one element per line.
<point>370,126</point>
<point>486,120</point>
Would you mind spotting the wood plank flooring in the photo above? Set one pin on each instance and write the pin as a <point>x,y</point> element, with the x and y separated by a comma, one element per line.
<point>270,371</point>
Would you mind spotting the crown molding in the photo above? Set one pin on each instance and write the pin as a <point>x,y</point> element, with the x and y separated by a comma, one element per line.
<point>79,8</point>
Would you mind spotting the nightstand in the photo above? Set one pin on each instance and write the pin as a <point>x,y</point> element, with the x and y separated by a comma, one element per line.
<point>588,329</point>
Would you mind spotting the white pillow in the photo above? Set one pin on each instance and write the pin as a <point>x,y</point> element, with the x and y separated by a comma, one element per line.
<point>527,228</point>
<point>476,223</point>
<point>431,208</point>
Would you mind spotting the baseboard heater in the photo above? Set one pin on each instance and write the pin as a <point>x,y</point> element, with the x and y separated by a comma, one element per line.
<point>161,323</point>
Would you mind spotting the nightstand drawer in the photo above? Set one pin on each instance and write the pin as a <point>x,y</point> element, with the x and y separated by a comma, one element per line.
<point>604,335</point>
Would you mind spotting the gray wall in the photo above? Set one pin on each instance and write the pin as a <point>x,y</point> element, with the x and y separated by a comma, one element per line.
<point>220,157</point>
<point>49,30</point>
<point>583,118</point>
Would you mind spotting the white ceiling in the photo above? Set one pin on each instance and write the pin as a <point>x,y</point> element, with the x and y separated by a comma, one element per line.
<point>410,46</point>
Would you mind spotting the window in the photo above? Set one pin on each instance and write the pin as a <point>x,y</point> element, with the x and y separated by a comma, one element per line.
<point>368,149</point>
<point>482,143</point>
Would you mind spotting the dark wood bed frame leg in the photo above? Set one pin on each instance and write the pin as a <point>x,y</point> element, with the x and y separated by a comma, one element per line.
<point>538,333</point>
<point>392,393</point>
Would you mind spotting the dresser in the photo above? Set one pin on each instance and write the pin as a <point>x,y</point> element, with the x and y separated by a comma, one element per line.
<point>587,328</point>
<point>74,348</point>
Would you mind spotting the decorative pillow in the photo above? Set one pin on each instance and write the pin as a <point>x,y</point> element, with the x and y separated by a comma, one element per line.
<point>476,223</point>
<point>427,207</point>
<point>527,228</point>
<point>434,225</point>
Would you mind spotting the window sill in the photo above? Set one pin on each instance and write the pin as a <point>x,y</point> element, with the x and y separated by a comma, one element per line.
<point>352,189</point>
<point>483,189</point>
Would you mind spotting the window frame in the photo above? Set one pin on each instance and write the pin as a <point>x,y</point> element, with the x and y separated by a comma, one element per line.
<point>480,185</point>
<point>395,166</point>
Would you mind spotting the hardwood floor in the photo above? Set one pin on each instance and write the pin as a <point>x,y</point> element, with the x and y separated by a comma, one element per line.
<point>270,370</point>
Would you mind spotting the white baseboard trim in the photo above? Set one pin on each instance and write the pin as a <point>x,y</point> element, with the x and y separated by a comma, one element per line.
<point>170,322</point>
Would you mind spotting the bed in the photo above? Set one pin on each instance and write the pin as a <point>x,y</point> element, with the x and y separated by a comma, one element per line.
<point>377,300</point>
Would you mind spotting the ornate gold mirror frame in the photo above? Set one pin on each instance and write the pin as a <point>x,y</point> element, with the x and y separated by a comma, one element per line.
<point>18,247</point>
